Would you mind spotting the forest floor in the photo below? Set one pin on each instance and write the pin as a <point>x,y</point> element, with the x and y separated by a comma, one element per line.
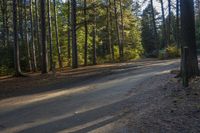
<point>135,97</point>
<point>171,108</point>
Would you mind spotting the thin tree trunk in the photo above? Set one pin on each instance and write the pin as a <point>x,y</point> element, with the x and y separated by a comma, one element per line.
<point>26,38</point>
<point>122,30</point>
<point>37,30</point>
<point>169,23</point>
<point>86,33</point>
<point>43,37</point>
<point>7,28</point>
<point>94,45</point>
<point>94,41</point>
<point>3,11</point>
<point>154,26</point>
<point>177,24</point>
<point>164,33</point>
<point>109,31</point>
<point>20,10</point>
<point>16,45</point>
<point>117,30</point>
<point>74,39</point>
<point>34,64</point>
<point>69,35</point>
<point>57,39</point>
<point>50,34</point>
<point>112,46</point>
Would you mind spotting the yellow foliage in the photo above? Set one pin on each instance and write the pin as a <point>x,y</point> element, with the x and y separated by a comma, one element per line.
<point>170,52</point>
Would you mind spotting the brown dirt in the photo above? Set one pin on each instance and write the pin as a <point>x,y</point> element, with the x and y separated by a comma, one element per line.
<point>36,82</point>
<point>173,109</point>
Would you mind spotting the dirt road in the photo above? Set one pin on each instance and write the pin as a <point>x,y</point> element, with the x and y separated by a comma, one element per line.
<point>96,106</point>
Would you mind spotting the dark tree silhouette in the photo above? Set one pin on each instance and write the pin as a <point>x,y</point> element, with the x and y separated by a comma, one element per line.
<point>74,39</point>
<point>188,35</point>
<point>43,36</point>
<point>16,44</point>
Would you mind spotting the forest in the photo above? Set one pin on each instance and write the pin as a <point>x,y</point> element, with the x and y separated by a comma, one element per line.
<point>40,35</point>
<point>99,66</point>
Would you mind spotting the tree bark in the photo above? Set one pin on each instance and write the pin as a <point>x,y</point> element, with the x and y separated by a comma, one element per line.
<point>37,35</point>
<point>69,35</point>
<point>21,31</point>
<point>117,30</point>
<point>34,63</point>
<point>43,37</point>
<point>154,26</point>
<point>164,33</point>
<point>188,36</point>
<point>57,39</point>
<point>26,38</point>
<point>86,33</point>
<point>16,45</point>
<point>169,23</point>
<point>74,39</point>
<point>109,39</point>
<point>3,5</point>
<point>50,35</point>
<point>122,30</point>
<point>112,46</point>
<point>177,23</point>
<point>94,41</point>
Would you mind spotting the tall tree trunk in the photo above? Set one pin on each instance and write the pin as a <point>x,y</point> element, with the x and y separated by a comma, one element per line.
<point>154,26</point>
<point>50,34</point>
<point>57,39</point>
<point>34,63</point>
<point>177,24</point>
<point>117,30</point>
<point>164,32</point>
<point>7,27</point>
<point>69,35</point>
<point>37,31</point>
<point>169,23</point>
<point>86,33</point>
<point>26,38</point>
<point>94,45</point>
<point>122,30</point>
<point>74,39</point>
<point>109,39</point>
<point>94,41</point>
<point>110,17</point>
<point>3,11</point>
<point>16,45</point>
<point>43,37</point>
<point>188,35</point>
<point>20,11</point>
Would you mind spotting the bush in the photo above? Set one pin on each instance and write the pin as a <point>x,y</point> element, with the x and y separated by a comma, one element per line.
<point>130,54</point>
<point>4,70</point>
<point>170,52</point>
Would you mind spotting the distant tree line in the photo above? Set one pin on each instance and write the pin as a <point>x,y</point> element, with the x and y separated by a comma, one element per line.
<point>40,35</point>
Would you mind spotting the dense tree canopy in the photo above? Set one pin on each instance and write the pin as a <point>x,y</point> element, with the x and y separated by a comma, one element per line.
<point>58,33</point>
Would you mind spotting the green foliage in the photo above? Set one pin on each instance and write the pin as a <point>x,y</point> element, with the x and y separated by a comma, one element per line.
<point>6,61</point>
<point>133,48</point>
<point>149,41</point>
<point>130,54</point>
<point>169,52</point>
